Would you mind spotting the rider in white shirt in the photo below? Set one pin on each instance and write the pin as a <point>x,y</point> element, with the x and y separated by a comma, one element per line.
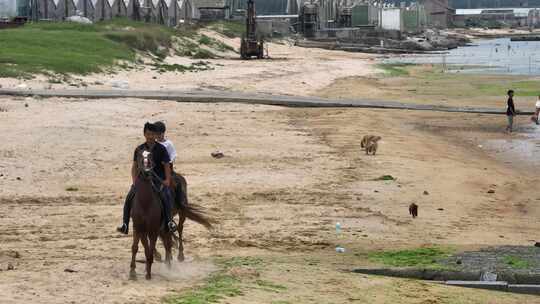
<point>160,128</point>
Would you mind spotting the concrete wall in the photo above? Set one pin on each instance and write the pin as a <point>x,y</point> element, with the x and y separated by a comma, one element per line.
<point>358,35</point>
<point>271,27</point>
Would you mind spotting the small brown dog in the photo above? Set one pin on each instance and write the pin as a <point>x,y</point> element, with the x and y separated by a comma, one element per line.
<point>413,210</point>
<point>372,145</point>
<point>366,140</point>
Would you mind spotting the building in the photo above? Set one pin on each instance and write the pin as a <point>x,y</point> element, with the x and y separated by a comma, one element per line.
<point>103,10</point>
<point>492,17</point>
<point>85,8</point>
<point>439,13</point>
<point>8,8</point>
<point>212,9</point>
<point>65,8</point>
<point>119,9</point>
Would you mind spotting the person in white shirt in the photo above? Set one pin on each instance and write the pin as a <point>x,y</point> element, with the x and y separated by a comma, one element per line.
<point>161,128</point>
<point>536,112</point>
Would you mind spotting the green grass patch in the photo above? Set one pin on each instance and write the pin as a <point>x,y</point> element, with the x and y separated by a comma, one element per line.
<point>522,88</point>
<point>395,69</point>
<point>67,47</point>
<point>72,48</point>
<point>430,80</point>
<point>231,29</point>
<point>422,257</point>
<point>516,262</point>
<point>203,54</point>
<point>72,189</point>
<point>214,43</point>
<point>217,287</point>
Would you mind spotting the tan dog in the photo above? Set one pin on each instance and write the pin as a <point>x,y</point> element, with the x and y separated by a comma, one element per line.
<point>367,139</point>
<point>372,145</point>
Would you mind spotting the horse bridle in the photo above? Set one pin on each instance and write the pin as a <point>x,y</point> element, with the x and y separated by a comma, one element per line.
<point>148,171</point>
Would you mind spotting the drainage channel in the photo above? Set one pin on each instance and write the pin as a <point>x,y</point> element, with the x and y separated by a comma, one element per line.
<point>505,281</point>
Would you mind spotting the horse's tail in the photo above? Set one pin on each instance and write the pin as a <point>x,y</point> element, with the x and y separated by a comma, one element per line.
<point>196,214</point>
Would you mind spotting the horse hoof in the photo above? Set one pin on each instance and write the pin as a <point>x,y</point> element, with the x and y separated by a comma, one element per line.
<point>148,276</point>
<point>133,275</point>
<point>181,257</point>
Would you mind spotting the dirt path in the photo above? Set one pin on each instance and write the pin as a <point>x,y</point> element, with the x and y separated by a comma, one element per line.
<point>288,176</point>
<point>291,70</point>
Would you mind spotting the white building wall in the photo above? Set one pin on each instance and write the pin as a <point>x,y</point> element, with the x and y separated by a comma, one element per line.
<point>8,8</point>
<point>391,19</point>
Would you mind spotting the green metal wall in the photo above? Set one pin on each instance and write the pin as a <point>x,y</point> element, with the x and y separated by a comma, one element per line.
<point>360,15</point>
<point>23,7</point>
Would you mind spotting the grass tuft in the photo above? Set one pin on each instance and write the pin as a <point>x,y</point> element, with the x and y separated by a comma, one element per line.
<point>395,69</point>
<point>231,29</point>
<point>195,67</point>
<point>218,287</point>
<point>516,262</point>
<point>421,257</point>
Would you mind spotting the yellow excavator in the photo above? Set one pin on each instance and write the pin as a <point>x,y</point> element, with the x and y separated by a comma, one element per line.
<point>251,46</point>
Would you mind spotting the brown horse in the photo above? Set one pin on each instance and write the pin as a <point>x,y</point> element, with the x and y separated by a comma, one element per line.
<point>184,210</point>
<point>146,213</point>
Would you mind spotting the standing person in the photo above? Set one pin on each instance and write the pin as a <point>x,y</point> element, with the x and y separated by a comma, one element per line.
<point>162,172</point>
<point>536,112</point>
<point>510,111</point>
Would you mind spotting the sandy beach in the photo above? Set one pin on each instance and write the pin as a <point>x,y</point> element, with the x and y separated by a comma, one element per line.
<point>287,177</point>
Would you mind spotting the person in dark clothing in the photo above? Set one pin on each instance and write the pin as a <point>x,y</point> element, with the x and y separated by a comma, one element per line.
<point>510,111</point>
<point>162,171</point>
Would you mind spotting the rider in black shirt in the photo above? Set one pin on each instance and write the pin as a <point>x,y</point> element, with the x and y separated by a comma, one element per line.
<point>161,168</point>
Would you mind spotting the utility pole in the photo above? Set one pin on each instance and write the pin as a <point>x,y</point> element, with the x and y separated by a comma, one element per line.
<point>380,13</point>
<point>103,9</point>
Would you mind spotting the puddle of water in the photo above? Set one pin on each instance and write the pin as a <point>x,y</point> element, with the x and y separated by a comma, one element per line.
<point>520,150</point>
<point>493,56</point>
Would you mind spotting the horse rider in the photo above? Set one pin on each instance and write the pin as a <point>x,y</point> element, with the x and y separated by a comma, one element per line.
<point>167,143</point>
<point>162,176</point>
